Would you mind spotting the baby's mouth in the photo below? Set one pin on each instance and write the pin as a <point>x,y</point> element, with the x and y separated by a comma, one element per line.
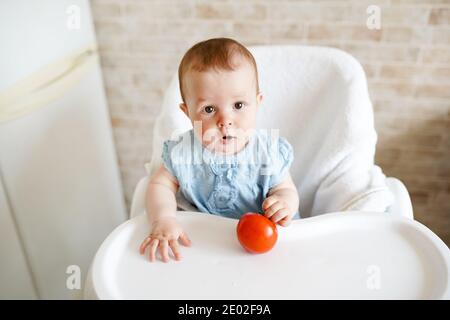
<point>228,137</point>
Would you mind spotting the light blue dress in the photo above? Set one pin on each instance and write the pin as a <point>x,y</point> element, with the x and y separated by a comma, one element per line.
<point>228,185</point>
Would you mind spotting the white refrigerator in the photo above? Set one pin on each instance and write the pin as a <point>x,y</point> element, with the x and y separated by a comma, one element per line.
<point>60,187</point>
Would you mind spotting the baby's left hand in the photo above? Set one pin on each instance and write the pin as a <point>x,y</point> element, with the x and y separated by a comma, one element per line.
<point>277,209</point>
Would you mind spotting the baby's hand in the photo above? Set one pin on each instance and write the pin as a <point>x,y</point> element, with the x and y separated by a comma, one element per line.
<point>165,233</point>
<point>277,209</point>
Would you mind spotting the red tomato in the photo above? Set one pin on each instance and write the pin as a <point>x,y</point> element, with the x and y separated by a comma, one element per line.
<point>256,233</point>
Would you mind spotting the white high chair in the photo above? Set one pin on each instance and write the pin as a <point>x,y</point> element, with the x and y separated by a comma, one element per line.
<point>335,255</point>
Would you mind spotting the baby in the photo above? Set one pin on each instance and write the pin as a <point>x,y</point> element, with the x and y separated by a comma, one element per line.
<point>222,166</point>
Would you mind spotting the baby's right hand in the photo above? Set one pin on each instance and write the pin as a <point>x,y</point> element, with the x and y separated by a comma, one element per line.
<point>165,233</point>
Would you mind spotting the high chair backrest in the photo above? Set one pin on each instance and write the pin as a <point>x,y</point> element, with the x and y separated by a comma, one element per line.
<point>318,99</point>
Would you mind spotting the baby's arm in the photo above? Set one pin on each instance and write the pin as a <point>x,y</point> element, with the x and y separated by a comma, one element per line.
<point>160,197</point>
<point>161,208</point>
<point>282,202</point>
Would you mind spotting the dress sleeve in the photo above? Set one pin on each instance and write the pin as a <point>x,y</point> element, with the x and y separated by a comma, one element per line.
<point>167,156</point>
<point>281,162</point>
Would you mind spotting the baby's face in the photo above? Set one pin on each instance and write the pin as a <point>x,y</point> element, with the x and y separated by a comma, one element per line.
<point>222,106</point>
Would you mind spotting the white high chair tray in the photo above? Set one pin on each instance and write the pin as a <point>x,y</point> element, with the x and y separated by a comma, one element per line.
<point>351,255</point>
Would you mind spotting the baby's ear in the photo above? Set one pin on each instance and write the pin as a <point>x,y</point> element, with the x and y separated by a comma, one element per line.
<point>184,108</point>
<point>259,98</point>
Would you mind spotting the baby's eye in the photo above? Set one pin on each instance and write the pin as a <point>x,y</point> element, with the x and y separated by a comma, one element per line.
<point>208,109</point>
<point>239,105</point>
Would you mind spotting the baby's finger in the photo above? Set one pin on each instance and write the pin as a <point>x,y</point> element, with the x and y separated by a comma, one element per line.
<point>279,215</point>
<point>286,221</point>
<point>175,249</point>
<point>164,250</point>
<point>184,239</point>
<point>144,244</point>
<point>153,246</point>
<point>273,209</point>
<point>268,202</point>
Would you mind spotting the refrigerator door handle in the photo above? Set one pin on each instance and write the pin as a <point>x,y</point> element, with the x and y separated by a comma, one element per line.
<point>46,84</point>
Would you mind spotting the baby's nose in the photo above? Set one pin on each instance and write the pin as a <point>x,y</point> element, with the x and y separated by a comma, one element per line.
<point>224,123</point>
<point>224,119</point>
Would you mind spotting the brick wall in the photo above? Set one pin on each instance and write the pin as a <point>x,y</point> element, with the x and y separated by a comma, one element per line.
<point>407,63</point>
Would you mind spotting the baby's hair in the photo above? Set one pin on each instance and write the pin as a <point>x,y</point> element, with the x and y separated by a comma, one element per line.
<point>215,53</point>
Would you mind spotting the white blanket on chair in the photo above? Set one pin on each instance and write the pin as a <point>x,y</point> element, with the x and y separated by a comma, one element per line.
<point>318,98</point>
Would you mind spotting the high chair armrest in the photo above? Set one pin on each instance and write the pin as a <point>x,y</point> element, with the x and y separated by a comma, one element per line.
<point>138,202</point>
<point>402,205</point>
